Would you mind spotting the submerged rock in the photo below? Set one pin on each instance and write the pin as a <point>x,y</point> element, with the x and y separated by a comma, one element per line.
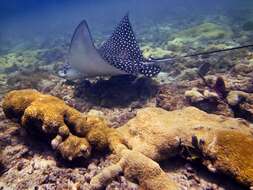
<point>208,101</point>
<point>217,98</point>
<point>188,74</point>
<point>243,68</point>
<point>241,103</point>
<point>194,95</point>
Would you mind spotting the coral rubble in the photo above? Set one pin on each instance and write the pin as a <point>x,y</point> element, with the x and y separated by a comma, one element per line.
<point>220,143</point>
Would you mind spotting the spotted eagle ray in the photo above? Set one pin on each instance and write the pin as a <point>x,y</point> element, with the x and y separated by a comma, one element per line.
<point>120,54</point>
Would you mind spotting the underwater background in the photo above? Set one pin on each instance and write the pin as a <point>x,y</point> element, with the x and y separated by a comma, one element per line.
<point>31,21</point>
<point>34,43</point>
<point>164,29</point>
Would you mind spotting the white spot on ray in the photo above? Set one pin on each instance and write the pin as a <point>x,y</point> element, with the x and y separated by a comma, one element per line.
<point>123,47</point>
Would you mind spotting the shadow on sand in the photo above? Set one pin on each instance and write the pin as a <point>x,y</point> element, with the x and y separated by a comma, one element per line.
<point>117,91</point>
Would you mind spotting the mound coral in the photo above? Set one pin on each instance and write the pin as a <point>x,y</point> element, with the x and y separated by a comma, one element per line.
<point>74,134</point>
<point>222,144</point>
<point>43,115</point>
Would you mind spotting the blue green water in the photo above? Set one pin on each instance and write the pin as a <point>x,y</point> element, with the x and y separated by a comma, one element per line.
<point>33,19</point>
<point>37,33</point>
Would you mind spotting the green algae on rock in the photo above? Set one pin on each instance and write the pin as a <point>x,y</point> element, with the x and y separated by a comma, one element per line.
<point>155,52</point>
<point>14,61</point>
<point>24,59</point>
<point>195,35</point>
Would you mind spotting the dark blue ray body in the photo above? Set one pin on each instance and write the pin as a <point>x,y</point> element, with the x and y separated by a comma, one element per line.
<point>122,51</point>
<point>122,42</point>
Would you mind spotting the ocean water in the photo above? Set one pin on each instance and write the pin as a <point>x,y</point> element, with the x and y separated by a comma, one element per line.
<point>37,34</point>
<point>186,39</point>
<point>163,29</point>
<point>31,20</point>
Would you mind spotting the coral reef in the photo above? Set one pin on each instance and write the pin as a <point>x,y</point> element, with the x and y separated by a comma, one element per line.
<point>30,58</point>
<point>208,101</point>
<point>32,78</point>
<point>148,52</point>
<point>14,60</point>
<point>168,100</point>
<point>188,74</point>
<point>243,68</point>
<point>43,115</point>
<point>218,99</point>
<point>46,115</point>
<point>192,133</point>
<point>91,159</point>
<point>153,135</point>
<point>195,35</point>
